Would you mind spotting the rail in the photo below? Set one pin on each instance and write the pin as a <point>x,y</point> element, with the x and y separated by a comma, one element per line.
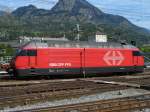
<point>113,105</point>
<point>28,95</point>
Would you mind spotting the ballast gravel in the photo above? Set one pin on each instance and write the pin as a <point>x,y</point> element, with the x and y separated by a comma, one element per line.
<point>82,99</point>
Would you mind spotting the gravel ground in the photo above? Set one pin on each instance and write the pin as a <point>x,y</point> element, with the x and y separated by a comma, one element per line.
<point>143,110</point>
<point>83,99</point>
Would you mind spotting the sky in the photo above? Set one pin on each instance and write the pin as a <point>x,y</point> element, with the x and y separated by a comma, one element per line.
<point>136,11</point>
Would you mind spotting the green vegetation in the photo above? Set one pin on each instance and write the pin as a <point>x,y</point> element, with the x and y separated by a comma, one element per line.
<point>145,49</point>
<point>8,50</point>
<point>12,27</point>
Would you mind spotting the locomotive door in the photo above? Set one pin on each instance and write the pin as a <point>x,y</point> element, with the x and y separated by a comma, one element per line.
<point>32,54</point>
<point>82,61</point>
<point>135,58</point>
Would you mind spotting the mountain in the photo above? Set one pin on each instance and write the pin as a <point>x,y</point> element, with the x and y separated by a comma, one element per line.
<point>2,13</point>
<point>30,10</point>
<point>67,13</point>
<point>83,11</point>
<point>72,10</point>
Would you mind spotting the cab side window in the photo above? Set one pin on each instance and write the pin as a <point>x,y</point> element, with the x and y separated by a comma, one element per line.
<point>28,53</point>
<point>136,53</point>
<point>23,53</point>
<point>32,52</point>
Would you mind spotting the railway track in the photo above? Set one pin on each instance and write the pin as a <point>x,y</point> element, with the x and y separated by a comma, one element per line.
<point>114,105</point>
<point>31,92</point>
<point>142,82</point>
<point>51,91</point>
<point>46,87</point>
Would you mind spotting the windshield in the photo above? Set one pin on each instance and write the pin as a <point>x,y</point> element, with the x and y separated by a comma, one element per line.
<point>20,52</point>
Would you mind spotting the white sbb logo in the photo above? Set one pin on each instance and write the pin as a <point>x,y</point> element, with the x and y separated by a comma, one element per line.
<point>59,64</point>
<point>113,58</point>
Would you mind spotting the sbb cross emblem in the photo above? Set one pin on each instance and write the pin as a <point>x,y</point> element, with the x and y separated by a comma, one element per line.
<point>113,58</point>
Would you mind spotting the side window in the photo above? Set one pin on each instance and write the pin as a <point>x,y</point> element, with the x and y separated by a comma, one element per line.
<point>136,53</point>
<point>22,53</point>
<point>32,52</point>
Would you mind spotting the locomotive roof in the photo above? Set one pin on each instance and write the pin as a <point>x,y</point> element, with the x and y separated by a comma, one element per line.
<point>60,44</point>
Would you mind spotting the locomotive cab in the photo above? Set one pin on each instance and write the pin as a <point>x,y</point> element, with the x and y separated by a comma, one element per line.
<point>138,61</point>
<point>24,59</point>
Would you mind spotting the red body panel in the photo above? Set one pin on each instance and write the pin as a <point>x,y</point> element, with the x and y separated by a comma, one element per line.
<point>59,58</point>
<point>22,62</point>
<point>108,57</point>
<point>79,58</point>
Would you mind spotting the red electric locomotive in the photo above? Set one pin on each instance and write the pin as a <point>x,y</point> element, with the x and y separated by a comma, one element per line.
<point>60,58</point>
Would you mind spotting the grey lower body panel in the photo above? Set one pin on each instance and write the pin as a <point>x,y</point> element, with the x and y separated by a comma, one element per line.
<point>115,69</point>
<point>71,71</point>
